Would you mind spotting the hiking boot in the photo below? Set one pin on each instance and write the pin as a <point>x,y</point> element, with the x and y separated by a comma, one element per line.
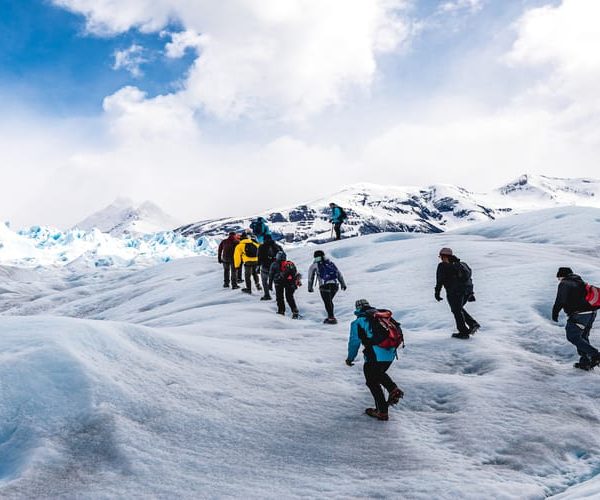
<point>234,287</point>
<point>225,285</point>
<point>281,312</point>
<point>258,287</point>
<point>396,395</point>
<point>474,329</point>
<point>372,412</point>
<point>460,335</point>
<point>247,290</point>
<point>595,360</point>
<point>265,297</point>
<point>583,366</point>
<point>330,321</point>
<point>296,315</point>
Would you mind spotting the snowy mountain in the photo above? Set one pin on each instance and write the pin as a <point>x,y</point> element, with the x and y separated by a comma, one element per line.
<point>433,209</point>
<point>123,217</point>
<point>159,383</point>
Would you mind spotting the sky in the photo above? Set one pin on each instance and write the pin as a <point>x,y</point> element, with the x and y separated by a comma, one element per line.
<point>214,109</point>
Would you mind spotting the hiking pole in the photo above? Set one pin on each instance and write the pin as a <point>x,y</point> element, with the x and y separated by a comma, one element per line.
<point>331,237</point>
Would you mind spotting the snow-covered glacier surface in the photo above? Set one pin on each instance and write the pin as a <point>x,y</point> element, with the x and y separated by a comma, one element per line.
<point>156,382</point>
<point>46,246</point>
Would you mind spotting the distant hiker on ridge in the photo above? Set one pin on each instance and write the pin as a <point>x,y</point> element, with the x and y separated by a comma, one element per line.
<point>260,229</point>
<point>225,257</point>
<point>455,277</point>
<point>328,275</point>
<point>247,253</point>
<point>572,296</point>
<point>381,336</point>
<point>286,278</point>
<point>266,256</point>
<point>338,216</point>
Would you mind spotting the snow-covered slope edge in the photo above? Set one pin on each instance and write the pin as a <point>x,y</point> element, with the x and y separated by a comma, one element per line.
<point>189,390</point>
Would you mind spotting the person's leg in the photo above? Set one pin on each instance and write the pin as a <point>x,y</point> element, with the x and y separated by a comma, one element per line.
<point>469,320</point>
<point>337,227</point>
<point>248,276</point>
<point>226,269</point>
<point>255,276</point>
<point>384,378</point>
<point>455,304</point>
<point>264,277</point>
<point>233,272</point>
<point>578,325</point>
<point>327,300</point>
<point>373,382</point>
<point>289,296</point>
<point>280,300</point>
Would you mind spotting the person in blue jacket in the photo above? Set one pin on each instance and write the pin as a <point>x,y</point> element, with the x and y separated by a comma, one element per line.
<point>338,216</point>
<point>377,361</point>
<point>260,229</point>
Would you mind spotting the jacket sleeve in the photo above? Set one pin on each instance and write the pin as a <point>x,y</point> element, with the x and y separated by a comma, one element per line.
<point>312,274</point>
<point>340,278</point>
<point>272,271</point>
<point>237,256</point>
<point>439,279</point>
<point>353,341</point>
<point>559,303</point>
<point>220,253</point>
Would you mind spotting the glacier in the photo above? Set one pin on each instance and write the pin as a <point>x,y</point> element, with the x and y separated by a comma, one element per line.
<point>155,382</point>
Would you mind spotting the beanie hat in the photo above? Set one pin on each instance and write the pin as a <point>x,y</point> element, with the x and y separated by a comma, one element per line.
<point>446,251</point>
<point>244,235</point>
<point>319,253</point>
<point>361,303</point>
<point>563,272</point>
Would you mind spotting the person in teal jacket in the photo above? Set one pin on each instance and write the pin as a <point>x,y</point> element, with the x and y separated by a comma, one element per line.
<point>338,216</point>
<point>377,361</point>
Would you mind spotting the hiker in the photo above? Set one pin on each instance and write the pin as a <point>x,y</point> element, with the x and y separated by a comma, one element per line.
<point>286,278</point>
<point>455,277</point>
<point>240,278</point>
<point>266,256</point>
<point>571,296</point>
<point>328,276</point>
<point>377,359</point>
<point>225,257</point>
<point>247,253</point>
<point>260,229</point>
<point>338,216</point>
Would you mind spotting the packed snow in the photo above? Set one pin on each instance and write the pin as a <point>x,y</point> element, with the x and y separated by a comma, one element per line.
<point>128,382</point>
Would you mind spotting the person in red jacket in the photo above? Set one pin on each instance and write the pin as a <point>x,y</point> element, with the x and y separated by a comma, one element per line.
<point>225,256</point>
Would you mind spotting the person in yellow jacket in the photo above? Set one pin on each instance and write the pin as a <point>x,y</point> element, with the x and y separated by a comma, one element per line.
<point>247,253</point>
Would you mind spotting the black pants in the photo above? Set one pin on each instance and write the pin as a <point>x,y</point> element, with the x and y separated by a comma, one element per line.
<point>376,377</point>
<point>328,292</point>
<point>578,333</point>
<point>288,290</point>
<point>229,271</point>
<point>463,319</point>
<point>264,278</point>
<point>337,227</point>
<point>251,272</point>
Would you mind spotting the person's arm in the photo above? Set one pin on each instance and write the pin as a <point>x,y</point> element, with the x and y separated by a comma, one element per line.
<point>220,252</point>
<point>439,281</point>
<point>559,303</point>
<point>272,271</point>
<point>340,278</point>
<point>353,341</point>
<point>312,272</point>
<point>237,256</point>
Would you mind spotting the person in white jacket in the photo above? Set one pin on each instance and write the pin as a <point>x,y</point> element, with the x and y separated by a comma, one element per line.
<point>329,278</point>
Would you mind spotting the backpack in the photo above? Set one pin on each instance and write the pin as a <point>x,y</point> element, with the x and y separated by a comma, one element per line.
<point>251,250</point>
<point>463,272</point>
<point>289,273</point>
<point>592,295</point>
<point>386,330</point>
<point>327,271</point>
<point>343,215</point>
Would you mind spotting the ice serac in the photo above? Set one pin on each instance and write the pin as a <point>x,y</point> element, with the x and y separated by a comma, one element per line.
<point>373,208</point>
<point>124,217</point>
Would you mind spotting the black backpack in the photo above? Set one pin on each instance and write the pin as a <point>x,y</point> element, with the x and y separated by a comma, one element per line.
<point>463,273</point>
<point>343,214</point>
<point>251,250</point>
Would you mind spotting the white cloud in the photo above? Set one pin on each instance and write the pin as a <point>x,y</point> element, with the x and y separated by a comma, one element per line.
<point>460,5</point>
<point>182,41</point>
<point>267,58</point>
<point>130,59</point>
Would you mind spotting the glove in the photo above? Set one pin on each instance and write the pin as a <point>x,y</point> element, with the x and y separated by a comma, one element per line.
<point>471,298</point>
<point>344,288</point>
<point>220,261</point>
<point>349,363</point>
<point>437,297</point>
<point>555,319</point>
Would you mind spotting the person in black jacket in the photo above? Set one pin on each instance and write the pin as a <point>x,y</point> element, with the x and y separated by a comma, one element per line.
<point>266,256</point>
<point>455,277</point>
<point>570,297</point>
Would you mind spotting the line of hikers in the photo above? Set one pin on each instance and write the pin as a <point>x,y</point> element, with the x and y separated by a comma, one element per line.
<point>375,329</point>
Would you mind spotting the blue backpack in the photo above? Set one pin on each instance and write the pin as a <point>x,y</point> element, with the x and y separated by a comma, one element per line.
<point>327,271</point>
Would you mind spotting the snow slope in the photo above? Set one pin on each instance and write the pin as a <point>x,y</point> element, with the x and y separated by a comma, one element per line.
<point>158,383</point>
<point>373,208</point>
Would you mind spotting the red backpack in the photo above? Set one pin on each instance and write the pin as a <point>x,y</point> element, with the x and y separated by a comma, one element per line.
<point>386,330</point>
<point>592,295</point>
<point>289,273</point>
